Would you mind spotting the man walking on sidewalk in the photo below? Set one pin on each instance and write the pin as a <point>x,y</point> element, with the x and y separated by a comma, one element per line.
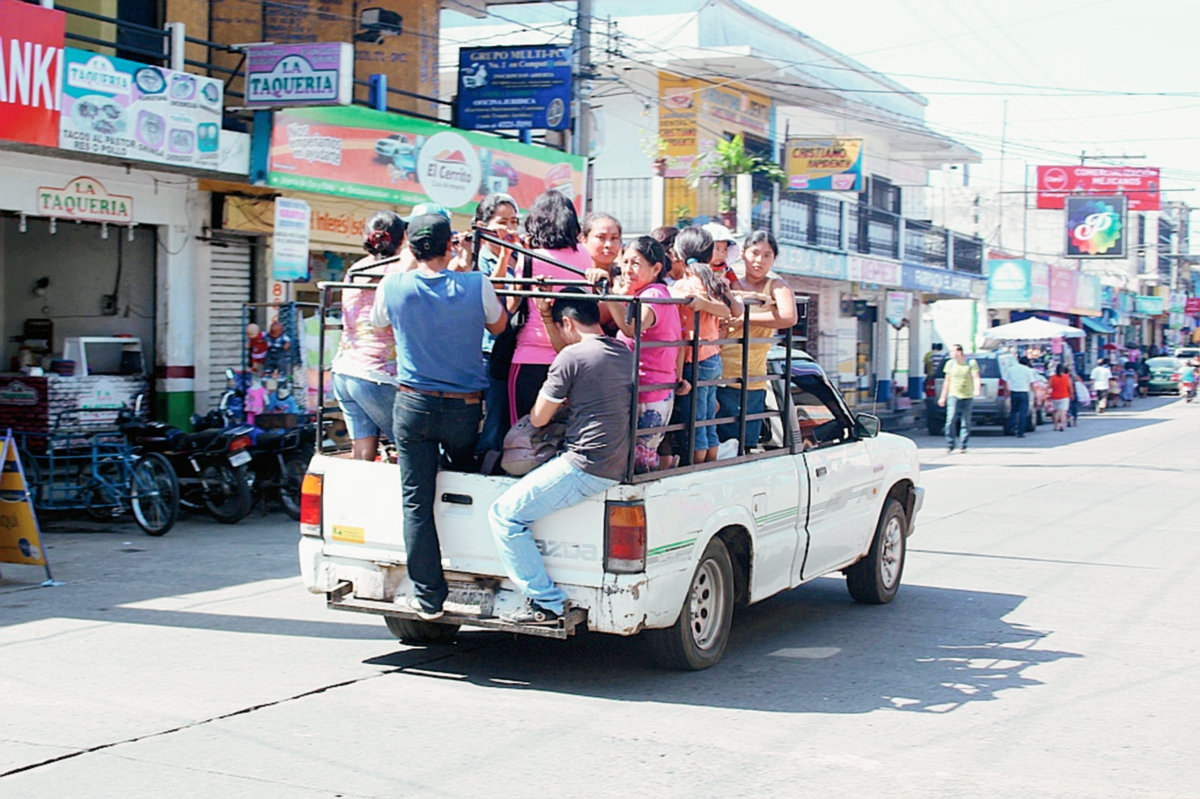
<point>1101,382</point>
<point>1020,383</point>
<point>959,390</point>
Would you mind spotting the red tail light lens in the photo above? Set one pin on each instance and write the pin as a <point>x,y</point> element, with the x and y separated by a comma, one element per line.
<point>1002,389</point>
<point>625,538</point>
<point>1175,377</point>
<point>310,505</point>
<point>239,443</point>
<point>930,389</point>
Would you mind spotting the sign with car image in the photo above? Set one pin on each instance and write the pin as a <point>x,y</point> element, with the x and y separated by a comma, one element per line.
<point>514,88</point>
<point>372,155</point>
<point>124,109</point>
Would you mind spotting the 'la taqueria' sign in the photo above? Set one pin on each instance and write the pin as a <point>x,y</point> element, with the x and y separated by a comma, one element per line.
<point>281,75</point>
<point>85,199</point>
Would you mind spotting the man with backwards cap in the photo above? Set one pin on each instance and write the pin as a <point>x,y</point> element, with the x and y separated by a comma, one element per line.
<point>438,318</point>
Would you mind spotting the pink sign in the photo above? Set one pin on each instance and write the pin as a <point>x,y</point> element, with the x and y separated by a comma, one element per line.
<point>873,270</point>
<point>1062,289</point>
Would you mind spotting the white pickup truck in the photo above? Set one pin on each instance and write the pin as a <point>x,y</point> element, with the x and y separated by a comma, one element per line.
<point>667,555</point>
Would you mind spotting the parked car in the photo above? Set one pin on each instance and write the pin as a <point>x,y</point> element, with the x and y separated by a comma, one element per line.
<point>1187,352</point>
<point>503,169</point>
<point>991,407</point>
<point>1164,375</point>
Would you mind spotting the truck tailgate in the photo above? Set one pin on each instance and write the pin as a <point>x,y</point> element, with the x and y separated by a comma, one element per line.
<point>362,518</point>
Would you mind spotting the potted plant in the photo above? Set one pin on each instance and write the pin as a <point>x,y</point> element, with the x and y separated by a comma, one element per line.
<point>721,167</point>
<point>683,215</point>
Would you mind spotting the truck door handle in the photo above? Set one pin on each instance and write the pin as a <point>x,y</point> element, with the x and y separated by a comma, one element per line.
<point>821,471</point>
<point>457,499</point>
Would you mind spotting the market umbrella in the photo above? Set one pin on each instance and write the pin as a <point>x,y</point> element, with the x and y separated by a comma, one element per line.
<point>1032,329</point>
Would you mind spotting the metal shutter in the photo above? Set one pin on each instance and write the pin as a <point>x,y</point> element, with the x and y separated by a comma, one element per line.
<point>229,286</point>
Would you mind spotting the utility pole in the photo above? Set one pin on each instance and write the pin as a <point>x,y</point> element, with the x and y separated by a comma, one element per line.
<point>582,139</point>
<point>1000,203</point>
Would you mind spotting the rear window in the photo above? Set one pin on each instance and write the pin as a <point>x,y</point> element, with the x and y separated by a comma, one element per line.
<point>1162,363</point>
<point>988,367</point>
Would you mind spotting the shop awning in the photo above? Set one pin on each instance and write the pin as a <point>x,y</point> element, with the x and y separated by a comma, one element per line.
<point>1097,326</point>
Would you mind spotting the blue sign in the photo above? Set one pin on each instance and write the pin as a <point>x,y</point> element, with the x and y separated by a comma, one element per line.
<point>936,281</point>
<point>815,263</point>
<point>1010,284</point>
<point>514,88</point>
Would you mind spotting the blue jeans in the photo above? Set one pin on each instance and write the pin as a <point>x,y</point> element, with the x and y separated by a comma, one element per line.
<point>958,410</point>
<point>705,398</point>
<point>425,426</point>
<point>1018,417</point>
<point>366,405</point>
<point>495,416</point>
<point>729,400</point>
<point>552,486</point>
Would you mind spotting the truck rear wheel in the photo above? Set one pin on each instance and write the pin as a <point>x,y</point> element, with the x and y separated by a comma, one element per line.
<point>875,579</point>
<point>413,631</point>
<point>698,638</point>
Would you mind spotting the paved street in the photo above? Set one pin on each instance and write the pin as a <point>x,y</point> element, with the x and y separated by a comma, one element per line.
<point>1045,644</point>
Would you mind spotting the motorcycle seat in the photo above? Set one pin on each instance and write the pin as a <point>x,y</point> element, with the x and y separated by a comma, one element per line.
<point>272,439</point>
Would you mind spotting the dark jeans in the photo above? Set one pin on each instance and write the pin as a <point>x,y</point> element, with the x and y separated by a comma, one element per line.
<point>1018,416</point>
<point>495,416</point>
<point>958,411</point>
<point>729,401</point>
<point>426,426</point>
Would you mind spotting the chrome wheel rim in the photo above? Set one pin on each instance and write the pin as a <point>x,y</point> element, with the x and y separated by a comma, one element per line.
<point>707,605</point>
<point>891,552</point>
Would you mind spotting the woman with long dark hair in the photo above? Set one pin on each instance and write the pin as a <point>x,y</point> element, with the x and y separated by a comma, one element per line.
<point>551,229</point>
<point>364,369</point>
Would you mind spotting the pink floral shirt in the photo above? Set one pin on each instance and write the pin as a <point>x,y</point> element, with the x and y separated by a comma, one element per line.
<point>366,351</point>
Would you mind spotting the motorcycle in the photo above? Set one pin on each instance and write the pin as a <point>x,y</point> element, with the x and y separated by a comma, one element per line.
<point>209,464</point>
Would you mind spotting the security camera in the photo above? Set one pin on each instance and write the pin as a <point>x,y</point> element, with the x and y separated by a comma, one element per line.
<point>377,23</point>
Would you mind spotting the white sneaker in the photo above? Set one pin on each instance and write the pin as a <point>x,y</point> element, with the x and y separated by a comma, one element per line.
<point>415,606</point>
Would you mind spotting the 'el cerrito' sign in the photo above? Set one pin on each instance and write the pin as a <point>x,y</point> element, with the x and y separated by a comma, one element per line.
<point>85,199</point>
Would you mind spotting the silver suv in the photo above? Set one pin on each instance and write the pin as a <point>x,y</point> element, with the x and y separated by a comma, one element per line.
<point>991,407</point>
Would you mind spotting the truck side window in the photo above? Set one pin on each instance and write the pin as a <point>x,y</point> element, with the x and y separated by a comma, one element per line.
<point>821,420</point>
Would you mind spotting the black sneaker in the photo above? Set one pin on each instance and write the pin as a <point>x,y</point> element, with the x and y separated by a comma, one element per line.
<point>530,613</point>
<point>949,447</point>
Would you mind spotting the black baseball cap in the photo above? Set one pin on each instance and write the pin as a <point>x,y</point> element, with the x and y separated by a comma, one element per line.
<point>429,236</point>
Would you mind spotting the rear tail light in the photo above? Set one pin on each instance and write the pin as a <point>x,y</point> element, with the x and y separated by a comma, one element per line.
<point>625,538</point>
<point>239,443</point>
<point>1175,377</point>
<point>930,389</point>
<point>310,505</point>
<point>1002,388</point>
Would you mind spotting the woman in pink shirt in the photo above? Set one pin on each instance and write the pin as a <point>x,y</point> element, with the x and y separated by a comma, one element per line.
<point>552,229</point>
<point>644,265</point>
<point>364,369</point>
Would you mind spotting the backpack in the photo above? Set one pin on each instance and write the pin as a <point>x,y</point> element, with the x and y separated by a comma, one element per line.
<point>527,447</point>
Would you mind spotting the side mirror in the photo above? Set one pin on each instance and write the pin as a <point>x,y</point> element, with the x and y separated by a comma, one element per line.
<point>866,425</point>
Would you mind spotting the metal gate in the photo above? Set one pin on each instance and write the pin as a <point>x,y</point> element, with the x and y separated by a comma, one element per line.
<point>231,269</point>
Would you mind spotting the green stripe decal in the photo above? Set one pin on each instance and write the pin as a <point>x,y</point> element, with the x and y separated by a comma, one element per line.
<point>671,547</point>
<point>777,516</point>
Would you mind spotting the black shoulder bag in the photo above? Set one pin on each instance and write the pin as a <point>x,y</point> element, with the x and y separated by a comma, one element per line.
<point>506,343</point>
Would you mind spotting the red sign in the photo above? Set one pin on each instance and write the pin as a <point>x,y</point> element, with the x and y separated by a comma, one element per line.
<point>1139,184</point>
<point>31,71</point>
<point>1192,306</point>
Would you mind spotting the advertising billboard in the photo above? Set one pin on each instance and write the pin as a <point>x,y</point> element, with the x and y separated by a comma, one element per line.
<point>124,109</point>
<point>282,75</point>
<point>824,164</point>
<point>1095,227</point>
<point>514,88</point>
<point>1139,184</point>
<point>31,64</point>
<point>1010,284</point>
<point>371,155</point>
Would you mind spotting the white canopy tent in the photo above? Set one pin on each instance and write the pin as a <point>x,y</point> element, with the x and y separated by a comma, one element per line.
<point>1031,329</point>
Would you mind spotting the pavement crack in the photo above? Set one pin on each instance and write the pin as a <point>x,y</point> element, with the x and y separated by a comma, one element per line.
<point>233,714</point>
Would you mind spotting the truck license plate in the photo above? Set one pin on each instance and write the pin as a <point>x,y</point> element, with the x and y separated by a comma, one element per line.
<point>470,600</point>
<point>239,458</point>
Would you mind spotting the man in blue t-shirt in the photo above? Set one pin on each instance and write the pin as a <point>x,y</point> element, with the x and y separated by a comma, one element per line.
<point>438,318</point>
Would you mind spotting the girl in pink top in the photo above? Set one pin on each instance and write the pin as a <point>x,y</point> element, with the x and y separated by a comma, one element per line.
<point>552,228</point>
<point>644,265</point>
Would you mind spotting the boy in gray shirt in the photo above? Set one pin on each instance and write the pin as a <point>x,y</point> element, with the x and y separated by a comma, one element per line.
<point>594,375</point>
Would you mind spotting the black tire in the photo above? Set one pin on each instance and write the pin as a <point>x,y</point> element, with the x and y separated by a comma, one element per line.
<point>1031,424</point>
<point>875,579</point>
<point>154,494</point>
<point>291,483</point>
<point>697,640</point>
<point>227,495</point>
<point>414,631</point>
<point>1041,419</point>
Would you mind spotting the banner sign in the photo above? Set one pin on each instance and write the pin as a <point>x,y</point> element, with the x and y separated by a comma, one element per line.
<point>1063,288</point>
<point>1139,184</point>
<point>896,308</point>
<point>31,67</point>
<point>20,538</point>
<point>824,164</point>
<point>514,88</point>
<point>371,155</point>
<point>1191,306</point>
<point>873,270</point>
<point>124,109</point>
<point>280,75</point>
<point>815,263</point>
<point>289,244</point>
<point>85,198</point>
<point>1087,295</point>
<point>936,281</point>
<point>1010,284</point>
<point>1096,227</point>
<point>1148,305</point>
